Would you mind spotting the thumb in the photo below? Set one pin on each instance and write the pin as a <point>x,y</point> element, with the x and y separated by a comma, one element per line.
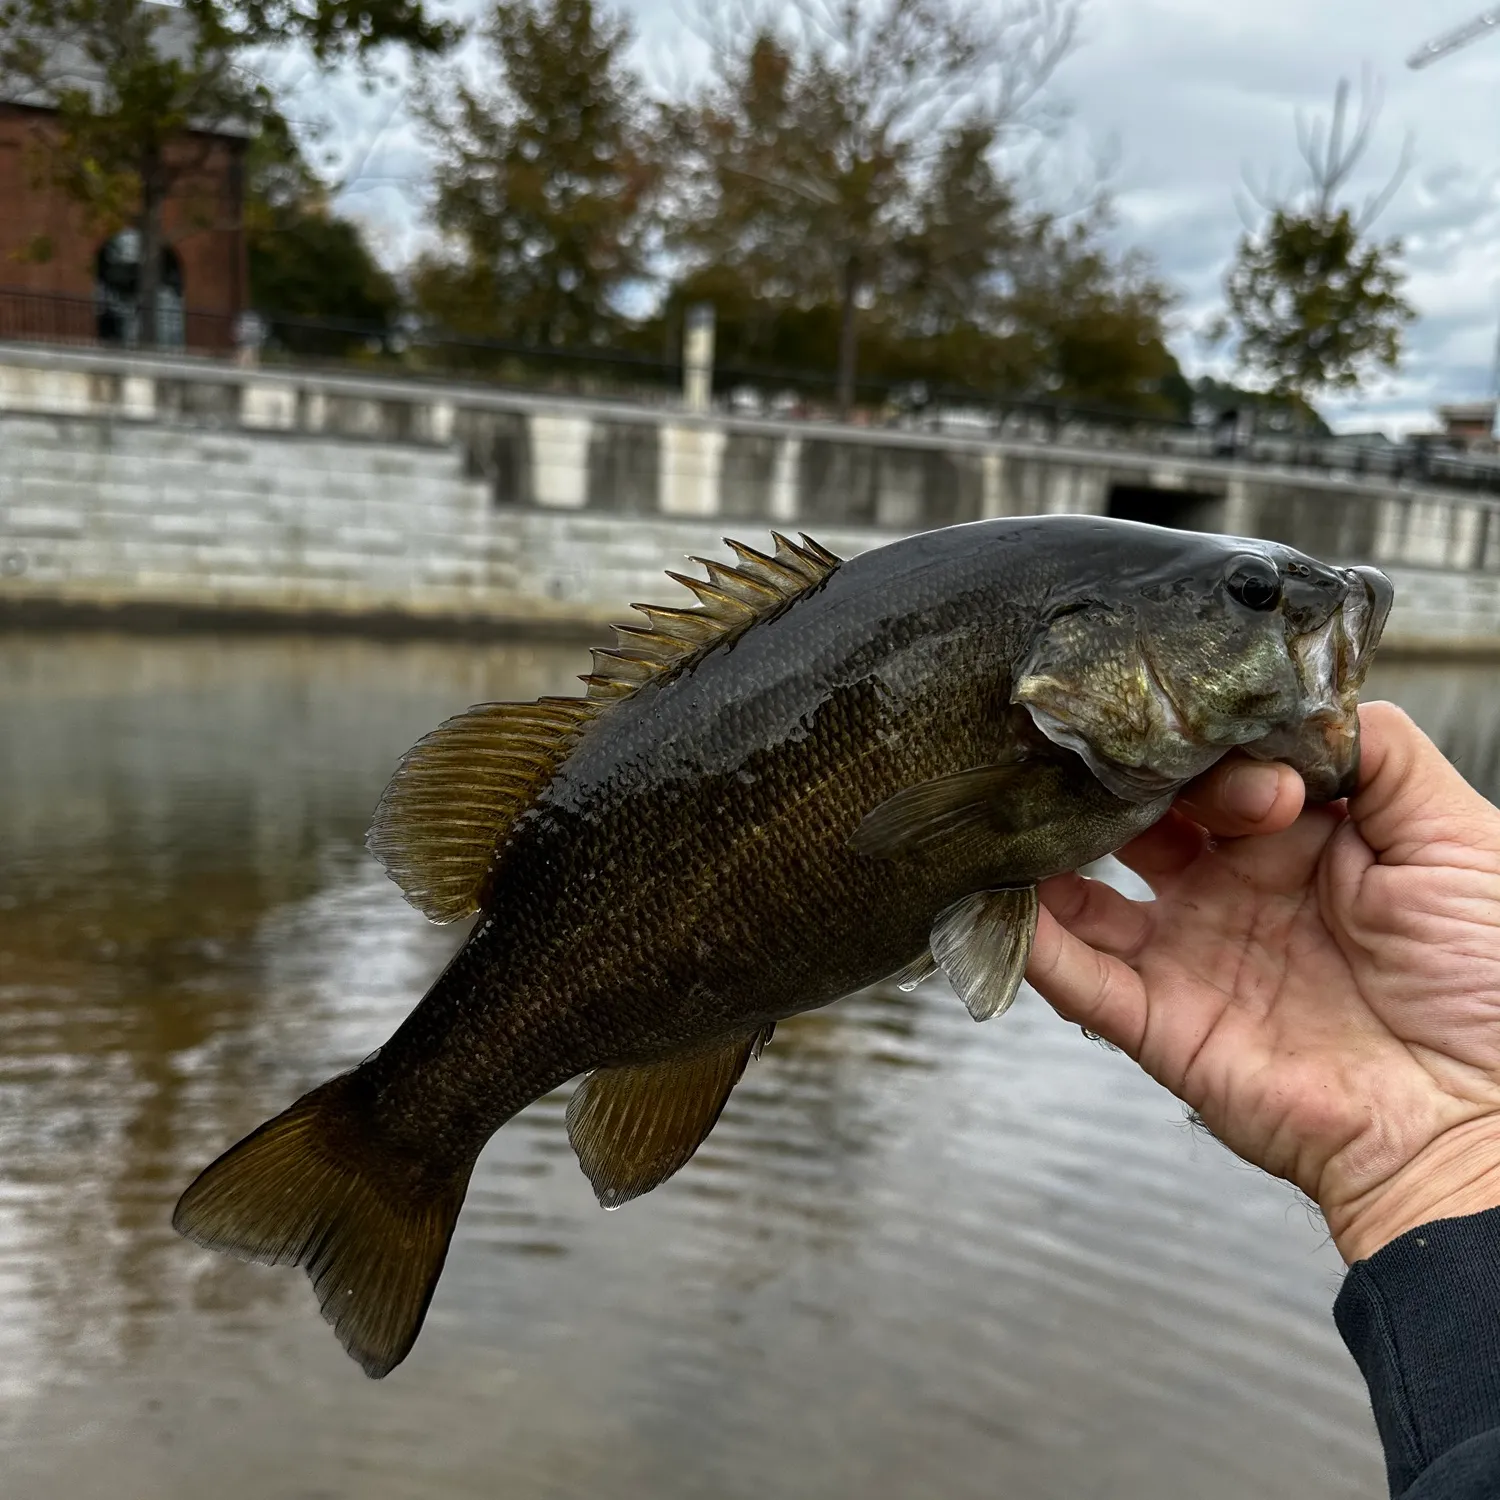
<point>1410,797</point>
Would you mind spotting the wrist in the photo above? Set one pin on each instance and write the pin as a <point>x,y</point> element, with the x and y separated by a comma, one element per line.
<point>1455,1175</point>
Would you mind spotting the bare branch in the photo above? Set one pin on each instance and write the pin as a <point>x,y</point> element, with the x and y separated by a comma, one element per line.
<point>1377,203</point>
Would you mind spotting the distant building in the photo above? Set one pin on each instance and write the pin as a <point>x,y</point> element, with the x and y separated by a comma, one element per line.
<point>62,281</point>
<point>1469,425</point>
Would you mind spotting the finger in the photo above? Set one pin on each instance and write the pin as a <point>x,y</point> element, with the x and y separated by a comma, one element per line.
<point>1097,914</point>
<point>1342,870</point>
<point>1411,798</point>
<point>1240,797</point>
<point>1165,850</point>
<point>1092,989</point>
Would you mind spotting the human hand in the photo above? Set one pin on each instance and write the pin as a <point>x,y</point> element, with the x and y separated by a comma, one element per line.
<point>1326,996</point>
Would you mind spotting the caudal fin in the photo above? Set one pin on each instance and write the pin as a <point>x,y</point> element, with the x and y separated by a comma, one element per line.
<point>315,1187</point>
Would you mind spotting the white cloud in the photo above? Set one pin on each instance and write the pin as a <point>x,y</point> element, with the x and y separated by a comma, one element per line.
<point>1198,89</point>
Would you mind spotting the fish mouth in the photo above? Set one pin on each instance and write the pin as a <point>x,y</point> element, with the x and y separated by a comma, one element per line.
<point>1332,662</point>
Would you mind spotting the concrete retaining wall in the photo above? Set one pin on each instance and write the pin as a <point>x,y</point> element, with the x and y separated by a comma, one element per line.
<point>163,484</point>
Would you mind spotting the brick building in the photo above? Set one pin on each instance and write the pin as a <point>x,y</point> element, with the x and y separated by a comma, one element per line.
<point>63,279</point>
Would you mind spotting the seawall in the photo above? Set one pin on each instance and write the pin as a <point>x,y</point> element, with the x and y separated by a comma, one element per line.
<point>159,489</point>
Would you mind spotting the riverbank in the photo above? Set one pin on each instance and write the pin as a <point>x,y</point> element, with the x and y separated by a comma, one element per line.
<point>1438,617</point>
<point>162,495</point>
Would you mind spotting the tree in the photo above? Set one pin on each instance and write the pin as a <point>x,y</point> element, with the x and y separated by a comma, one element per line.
<point>543,183</point>
<point>1024,300</point>
<point>138,90</point>
<point>305,262</point>
<point>1089,326</point>
<point>948,267</point>
<point>980,293</point>
<point>1314,301</point>
<point>1209,399</point>
<point>808,153</point>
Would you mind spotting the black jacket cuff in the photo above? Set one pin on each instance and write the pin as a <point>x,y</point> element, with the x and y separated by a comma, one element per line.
<point>1422,1319</point>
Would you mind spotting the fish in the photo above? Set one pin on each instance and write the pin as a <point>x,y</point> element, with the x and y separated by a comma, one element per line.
<point>822,774</point>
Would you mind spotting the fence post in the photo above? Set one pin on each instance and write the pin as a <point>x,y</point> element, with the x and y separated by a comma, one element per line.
<point>249,334</point>
<point>698,357</point>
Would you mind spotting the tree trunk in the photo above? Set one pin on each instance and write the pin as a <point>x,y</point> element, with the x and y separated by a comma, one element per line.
<point>848,336</point>
<point>148,271</point>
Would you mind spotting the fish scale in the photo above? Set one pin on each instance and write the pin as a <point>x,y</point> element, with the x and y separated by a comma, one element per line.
<point>765,802</point>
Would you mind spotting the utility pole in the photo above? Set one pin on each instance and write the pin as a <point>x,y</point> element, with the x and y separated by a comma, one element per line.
<point>1450,41</point>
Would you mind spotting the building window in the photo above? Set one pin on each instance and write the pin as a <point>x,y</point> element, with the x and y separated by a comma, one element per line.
<point>117,270</point>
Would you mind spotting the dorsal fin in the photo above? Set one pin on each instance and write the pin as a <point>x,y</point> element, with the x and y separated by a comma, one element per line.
<point>458,791</point>
<point>730,600</point>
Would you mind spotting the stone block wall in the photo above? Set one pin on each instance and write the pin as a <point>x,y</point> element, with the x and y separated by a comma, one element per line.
<point>172,484</point>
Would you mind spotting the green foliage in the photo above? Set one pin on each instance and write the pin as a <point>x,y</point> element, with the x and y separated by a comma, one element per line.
<point>1208,398</point>
<point>966,232</point>
<point>806,158</point>
<point>138,90</point>
<point>1083,326</point>
<point>1315,305</point>
<point>305,262</point>
<point>1065,323</point>
<point>839,176</point>
<point>1315,302</point>
<point>543,184</point>
<point>334,30</point>
<point>958,282</point>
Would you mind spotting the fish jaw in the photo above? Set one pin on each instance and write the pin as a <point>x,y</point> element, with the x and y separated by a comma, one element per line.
<point>1332,663</point>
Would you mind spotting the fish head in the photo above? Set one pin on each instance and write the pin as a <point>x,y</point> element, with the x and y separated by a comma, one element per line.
<point>1197,646</point>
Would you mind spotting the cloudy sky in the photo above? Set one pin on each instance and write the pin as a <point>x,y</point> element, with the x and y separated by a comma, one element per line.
<point>1191,93</point>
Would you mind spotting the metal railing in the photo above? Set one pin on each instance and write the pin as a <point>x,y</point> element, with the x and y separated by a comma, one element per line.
<point>55,318</point>
<point>409,348</point>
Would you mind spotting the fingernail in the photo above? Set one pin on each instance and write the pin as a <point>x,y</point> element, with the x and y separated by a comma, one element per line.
<point>1250,791</point>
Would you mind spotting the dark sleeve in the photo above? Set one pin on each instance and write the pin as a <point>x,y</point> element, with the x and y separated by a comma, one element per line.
<point>1422,1318</point>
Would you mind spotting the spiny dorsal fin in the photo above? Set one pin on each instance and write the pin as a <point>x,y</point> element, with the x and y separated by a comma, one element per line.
<point>458,790</point>
<point>730,600</point>
<point>633,1127</point>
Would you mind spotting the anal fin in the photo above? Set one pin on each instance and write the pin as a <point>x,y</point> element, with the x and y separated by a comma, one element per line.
<point>982,943</point>
<point>634,1126</point>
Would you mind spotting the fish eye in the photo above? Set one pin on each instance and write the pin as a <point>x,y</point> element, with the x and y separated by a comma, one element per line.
<point>1255,583</point>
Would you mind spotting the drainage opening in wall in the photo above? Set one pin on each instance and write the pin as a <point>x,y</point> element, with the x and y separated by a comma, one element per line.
<point>1186,510</point>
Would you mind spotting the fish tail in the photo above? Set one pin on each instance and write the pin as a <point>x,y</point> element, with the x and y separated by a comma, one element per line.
<point>317,1187</point>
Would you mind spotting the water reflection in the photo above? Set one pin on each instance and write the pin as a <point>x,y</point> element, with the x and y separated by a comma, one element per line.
<point>1457,705</point>
<point>917,1256</point>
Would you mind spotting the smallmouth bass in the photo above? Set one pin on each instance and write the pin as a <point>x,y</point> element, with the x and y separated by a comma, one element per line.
<point>824,774</point>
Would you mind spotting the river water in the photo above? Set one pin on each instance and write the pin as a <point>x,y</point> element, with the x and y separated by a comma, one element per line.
<point>916,1258</point>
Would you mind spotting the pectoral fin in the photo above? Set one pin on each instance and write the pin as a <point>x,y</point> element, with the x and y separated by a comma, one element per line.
<point>1017,822</point>
<point>982,943</point>
<point>920,968</point>
<point>983,802</point>
<point>633,1127</point>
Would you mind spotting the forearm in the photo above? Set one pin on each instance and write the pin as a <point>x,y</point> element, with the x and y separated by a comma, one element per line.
<point>1422,1318</point>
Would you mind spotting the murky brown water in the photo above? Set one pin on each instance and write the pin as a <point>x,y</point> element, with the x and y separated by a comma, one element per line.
<point>917,1258</point>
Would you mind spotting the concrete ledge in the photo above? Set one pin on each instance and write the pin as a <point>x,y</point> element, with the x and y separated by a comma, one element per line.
<point>423,410</point>
<point>554,520</point>
<point>43,613</point>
